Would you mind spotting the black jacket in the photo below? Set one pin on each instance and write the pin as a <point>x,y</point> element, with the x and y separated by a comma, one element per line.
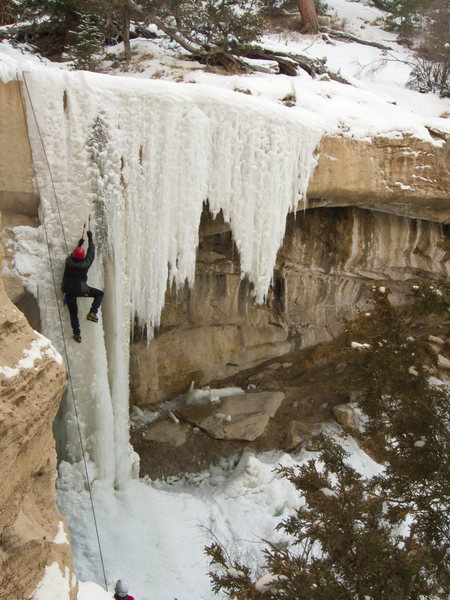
<point>74,281</point>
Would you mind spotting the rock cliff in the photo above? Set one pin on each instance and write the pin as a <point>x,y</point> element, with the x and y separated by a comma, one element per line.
<point>398,175</point>
<point>328,260</point>
<point>19,201</point>
<point>376,211</point>
<point>33,533</point>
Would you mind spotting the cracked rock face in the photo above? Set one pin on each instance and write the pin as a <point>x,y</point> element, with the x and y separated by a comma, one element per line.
<point>32,381</point>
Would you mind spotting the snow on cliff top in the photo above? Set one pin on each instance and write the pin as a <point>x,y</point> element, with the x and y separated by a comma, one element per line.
<point>376,103</point>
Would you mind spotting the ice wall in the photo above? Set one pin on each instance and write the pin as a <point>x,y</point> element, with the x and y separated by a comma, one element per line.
<point>142,157</point>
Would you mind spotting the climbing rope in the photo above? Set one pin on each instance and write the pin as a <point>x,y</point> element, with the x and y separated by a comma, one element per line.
<point>66,355</point>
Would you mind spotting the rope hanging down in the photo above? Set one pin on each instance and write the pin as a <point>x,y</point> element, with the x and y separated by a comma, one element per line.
<point>55,287</point>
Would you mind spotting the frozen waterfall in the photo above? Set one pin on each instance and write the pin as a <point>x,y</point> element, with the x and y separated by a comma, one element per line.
<point>142,157</point>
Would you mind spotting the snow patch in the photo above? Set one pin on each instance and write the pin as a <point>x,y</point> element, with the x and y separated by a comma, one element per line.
<point>55,585</point>
<point>39,348</point>
<point>358,346</point>
<point>61,536</point>
<point>266,583</point>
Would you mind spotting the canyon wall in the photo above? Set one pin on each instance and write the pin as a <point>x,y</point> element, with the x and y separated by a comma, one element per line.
<point>400,175</point>
<point>328,260</point>
<point>376,210</point>
<point>33,534</point>
<point>19,202</point>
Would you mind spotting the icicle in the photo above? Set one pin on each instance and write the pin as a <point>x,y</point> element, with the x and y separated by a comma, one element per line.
<point>144,164</point>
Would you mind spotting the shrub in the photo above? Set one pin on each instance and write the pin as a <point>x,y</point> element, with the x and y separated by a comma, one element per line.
<point>385,536</point>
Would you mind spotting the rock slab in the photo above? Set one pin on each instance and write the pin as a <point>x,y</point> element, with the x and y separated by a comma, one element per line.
<point>242,417</point>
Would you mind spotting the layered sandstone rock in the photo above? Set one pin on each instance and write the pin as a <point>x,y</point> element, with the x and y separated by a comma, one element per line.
<point>17,194</point>
<point>19,201</point>
<point>329,259</point>
<point>32,380</point>
<point>399,175</point>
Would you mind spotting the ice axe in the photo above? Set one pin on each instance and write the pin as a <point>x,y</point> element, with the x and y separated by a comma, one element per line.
<point>84,227</point>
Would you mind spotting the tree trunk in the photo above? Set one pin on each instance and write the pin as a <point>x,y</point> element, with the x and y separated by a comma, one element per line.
<point>270,7</point>
<point>6,15</point>
<point>307,9</point>
<point>126,38</point>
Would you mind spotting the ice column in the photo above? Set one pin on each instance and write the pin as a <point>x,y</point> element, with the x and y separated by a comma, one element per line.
<point>142,157</point>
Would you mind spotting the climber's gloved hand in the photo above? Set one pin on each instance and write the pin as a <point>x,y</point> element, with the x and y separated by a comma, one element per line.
<point>81,242</point>
<point>89,235</point>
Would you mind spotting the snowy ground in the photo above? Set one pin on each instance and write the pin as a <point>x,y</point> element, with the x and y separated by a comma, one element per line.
<point>377,102</point>
<point>153,533</point>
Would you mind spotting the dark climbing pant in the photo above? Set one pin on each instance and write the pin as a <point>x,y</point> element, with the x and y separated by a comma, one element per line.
<point>73,307</point>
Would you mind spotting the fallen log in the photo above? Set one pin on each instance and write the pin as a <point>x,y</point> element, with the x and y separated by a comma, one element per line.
<point>341,35</point>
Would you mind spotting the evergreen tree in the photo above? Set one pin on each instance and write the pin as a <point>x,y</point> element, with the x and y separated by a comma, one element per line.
<point>384,537</point>
<point>48,23</point>
<point>114,18</point>
<point>86,43</point>
<point>211,31</point>
<point>221,33</point>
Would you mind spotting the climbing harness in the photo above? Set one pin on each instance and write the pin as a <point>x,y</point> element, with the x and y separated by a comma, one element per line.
<point>69,376</point>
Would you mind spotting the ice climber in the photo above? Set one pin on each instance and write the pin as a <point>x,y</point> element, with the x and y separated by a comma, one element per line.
<point>74,285</point>
<point>122,590</point>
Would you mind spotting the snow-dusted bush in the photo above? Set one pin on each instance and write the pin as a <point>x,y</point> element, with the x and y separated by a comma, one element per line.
<point>423,25</point>
<point>429,76</point>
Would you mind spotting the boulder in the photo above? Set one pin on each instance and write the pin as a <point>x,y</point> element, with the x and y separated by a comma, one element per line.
<point>296,434</point>
<point>167,432</point>
<point>443,362</point>
<point>435,345</point>
<point>243,417</point>
<point>348,415</point>
<point>437,341</point>
<point>433,349</point>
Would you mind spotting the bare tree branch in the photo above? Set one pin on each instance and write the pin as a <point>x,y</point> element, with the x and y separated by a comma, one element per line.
<point>340,35</point>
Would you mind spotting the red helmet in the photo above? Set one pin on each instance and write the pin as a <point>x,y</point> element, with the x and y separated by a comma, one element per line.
<point>78,253</point>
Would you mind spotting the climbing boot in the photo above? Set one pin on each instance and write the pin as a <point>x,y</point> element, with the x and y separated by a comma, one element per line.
<point>92,317</point>
<point>77,338</point>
